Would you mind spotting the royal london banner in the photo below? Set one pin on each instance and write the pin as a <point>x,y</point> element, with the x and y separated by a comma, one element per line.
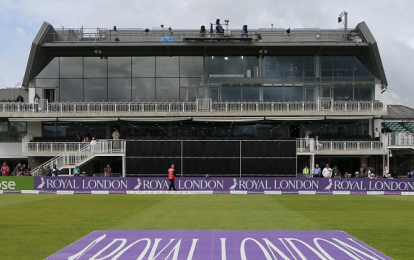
<point>226,185</point>
<point>218,244</point>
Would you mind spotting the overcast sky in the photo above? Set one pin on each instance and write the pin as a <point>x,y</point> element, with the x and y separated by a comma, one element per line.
<point>391,23</point>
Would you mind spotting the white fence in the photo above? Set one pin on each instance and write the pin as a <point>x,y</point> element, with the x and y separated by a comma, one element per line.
<point>310,145</point>
<point>76,153</point>
<point>197,106</point>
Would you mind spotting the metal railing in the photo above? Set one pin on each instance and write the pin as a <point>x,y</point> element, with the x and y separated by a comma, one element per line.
<point>52,147</point>
<point>399,139</point>
<point>197,106</point>
<point>310,145</point>
<point>268,35</point>
<point>71,157</point>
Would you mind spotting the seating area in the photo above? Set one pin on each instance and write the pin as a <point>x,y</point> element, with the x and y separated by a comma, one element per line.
<point>53,139</point>
<point>327,137</point>
<point>395,127</point>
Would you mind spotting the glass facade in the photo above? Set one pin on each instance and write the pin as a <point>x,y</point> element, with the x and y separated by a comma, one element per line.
<point>260,129</point>
<point>12,131</point>
<point>222,78</point>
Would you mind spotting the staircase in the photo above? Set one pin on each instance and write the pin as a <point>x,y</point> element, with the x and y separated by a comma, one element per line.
<point>68,160</point>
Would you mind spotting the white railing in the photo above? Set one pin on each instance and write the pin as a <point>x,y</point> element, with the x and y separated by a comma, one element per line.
<point>71,158</point>
<point>197,106</point>
<point>400,139</point>
<point>52,147</point>
<point>310,145</point>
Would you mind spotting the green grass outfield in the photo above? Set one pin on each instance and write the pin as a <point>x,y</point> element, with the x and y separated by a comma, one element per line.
<point>36,226</point>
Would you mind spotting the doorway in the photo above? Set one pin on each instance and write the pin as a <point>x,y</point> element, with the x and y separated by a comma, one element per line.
<point>49,95</point>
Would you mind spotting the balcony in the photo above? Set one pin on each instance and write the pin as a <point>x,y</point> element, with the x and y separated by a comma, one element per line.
<point>356,147</point>
<point>201,107</point>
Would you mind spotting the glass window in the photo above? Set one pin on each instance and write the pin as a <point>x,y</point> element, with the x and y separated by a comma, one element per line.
<point>326,66</point>
<point>95,67</point>
<point>293,66</point>
<point>51,70</point>
<point>231,65</point>
<point>272,93</point>
<point>343,66</point>
<point>251,94</point>
<point>71,67</point>
<point>143,66</point>
<point>360,70</point>
<point>191,82</point>
<point>310,94</point>
<point>309,66</point>
<point>119,89</point>
<point>188,94</point>
<point>213,65</point>
<point>230,93</point>
<point>273,66</point>
<point>248,65</point>
<point>191,66</point>
<point>47,83</point>
<point>71,90</point>
<point>343,93</point>
<point>95,90</point>
<point>293,93</point>
<point>143,89</point>
<point>17,131</point>
<point>4,132</point>
<point>167,67</point>
<point>363,93</point>
<point>119,67</point>
<point>167,89</point>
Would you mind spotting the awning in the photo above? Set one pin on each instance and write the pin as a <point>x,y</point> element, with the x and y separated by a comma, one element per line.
<point>286,118</point>
<point>88,119</point>
<point>32,119</point>
<point>349,117</point>
<point>154,119</point>
<point>227,119</point>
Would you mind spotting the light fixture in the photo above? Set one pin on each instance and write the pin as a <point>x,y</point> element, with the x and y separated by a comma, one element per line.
<point>345,15</point>
<point>146,30</point>
<point>162,26</point>
<point>288,31</point>
<point>115,28</point>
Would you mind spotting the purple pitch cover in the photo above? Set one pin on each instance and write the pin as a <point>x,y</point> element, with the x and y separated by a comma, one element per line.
<point>217,244</point>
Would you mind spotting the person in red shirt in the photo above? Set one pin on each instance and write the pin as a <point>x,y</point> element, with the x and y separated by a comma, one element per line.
<point>171,177</point>
<point>5,170</point>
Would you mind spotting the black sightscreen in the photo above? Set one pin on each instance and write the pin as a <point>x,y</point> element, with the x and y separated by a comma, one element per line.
<point>246,158</point>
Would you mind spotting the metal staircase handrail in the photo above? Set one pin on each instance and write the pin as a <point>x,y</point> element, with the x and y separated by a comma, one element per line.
<point>73,158</point>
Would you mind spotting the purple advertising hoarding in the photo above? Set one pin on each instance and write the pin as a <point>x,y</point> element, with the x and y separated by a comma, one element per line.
<point>217,244</point>
<point>226,185</point>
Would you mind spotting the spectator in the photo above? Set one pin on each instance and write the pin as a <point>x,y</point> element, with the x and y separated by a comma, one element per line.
<point>5,170</point>
<point>48,171</point>
<point>76,171</point>
<point>377,135</point>
<point>41,171</point>
<point>93,141</point>
<point>55,171</point>
<point>336,172</point>
<point>26,170</point>
<point>108,168</point>
<point>84,174</point>
<point>106,172</point>
<point>115,134</point>
<point>317,171</point>
<point>17,169</point>
<point>20,99</point>
<point>36,101</point>
<point>306,171</point>
<point>327,171</point>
